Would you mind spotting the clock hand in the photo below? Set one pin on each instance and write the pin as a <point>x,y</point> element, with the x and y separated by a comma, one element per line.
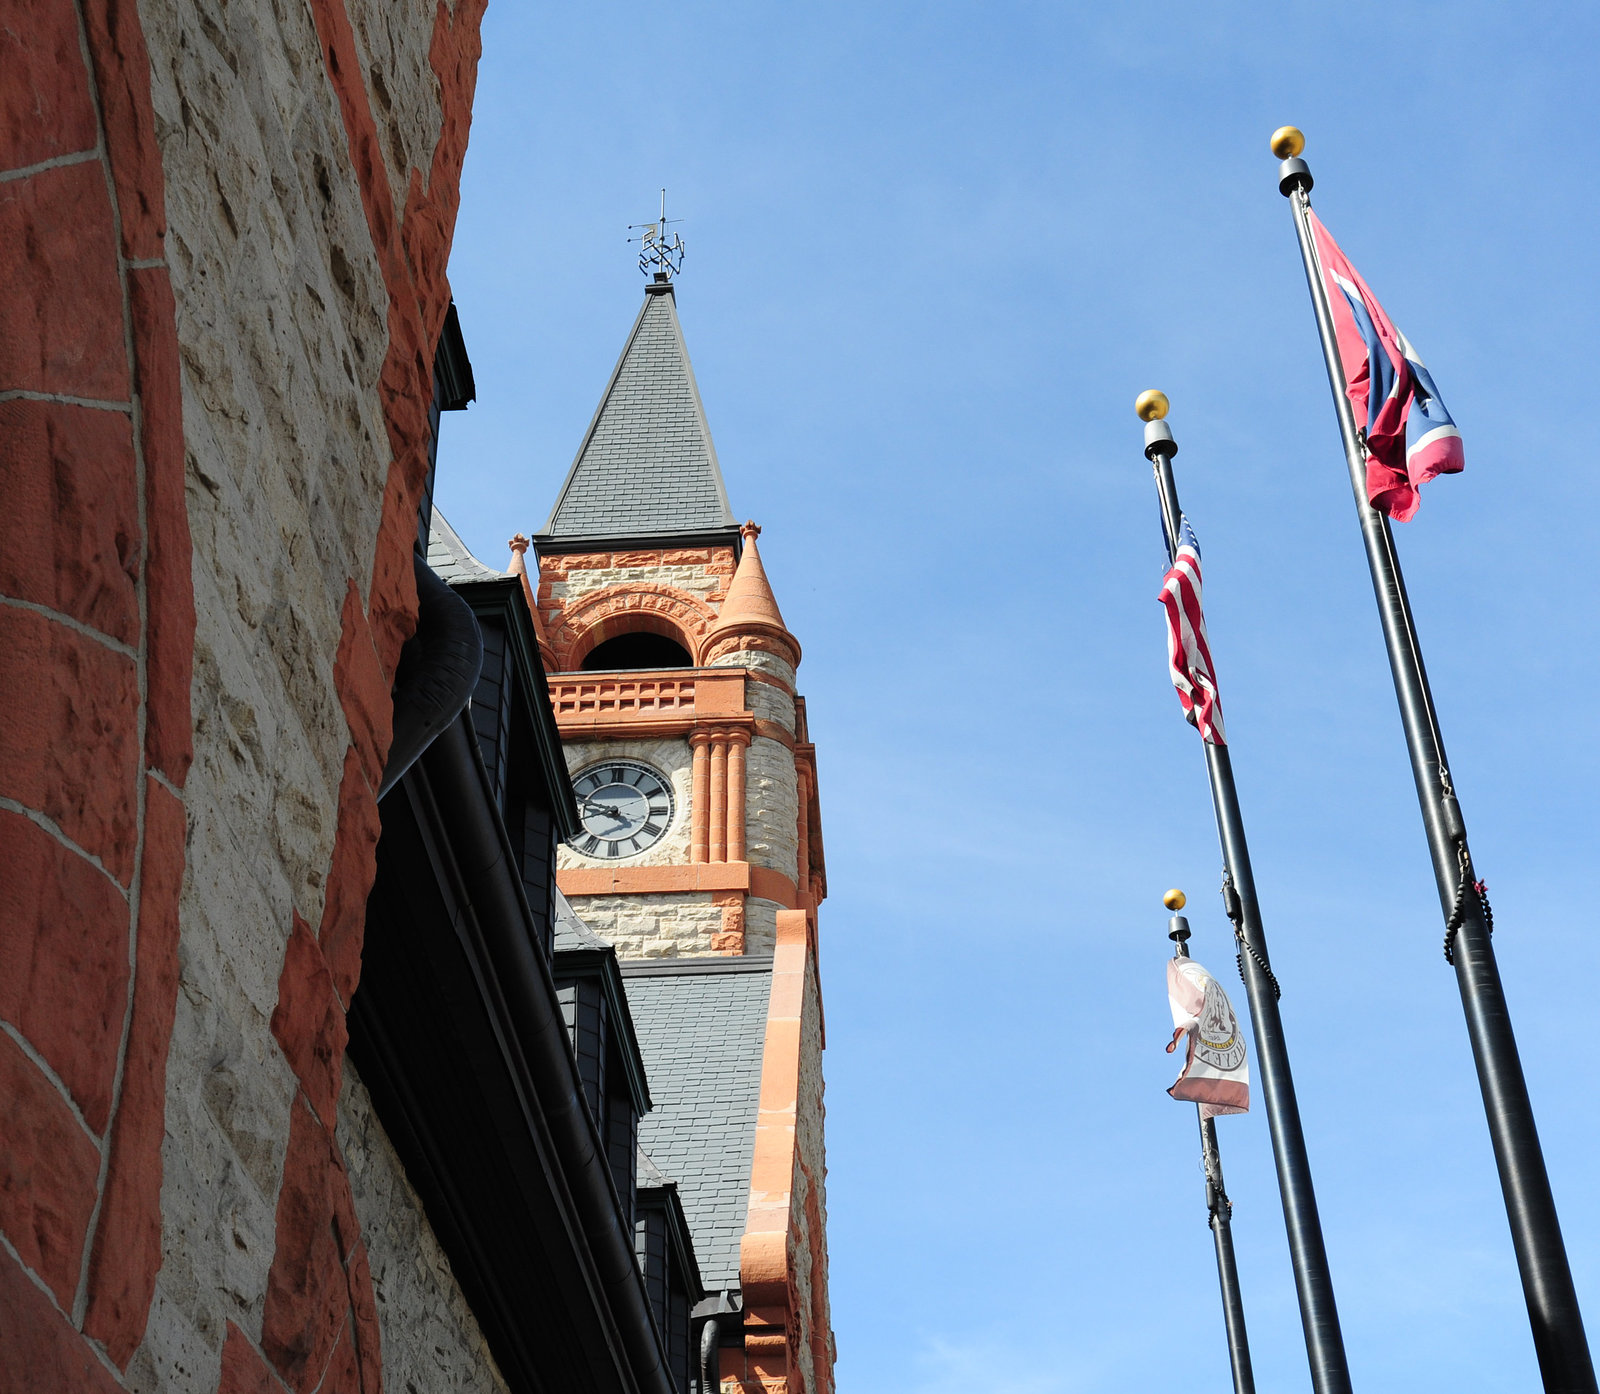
<point>610,810</point>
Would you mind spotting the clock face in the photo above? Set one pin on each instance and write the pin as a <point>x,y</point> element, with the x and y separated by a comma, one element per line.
<point>625,807</point>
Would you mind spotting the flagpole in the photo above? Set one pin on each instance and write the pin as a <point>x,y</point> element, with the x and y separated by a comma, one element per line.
<point>1219,1208</point>
<point>1319,1313</point>
<point>1553,1311</point>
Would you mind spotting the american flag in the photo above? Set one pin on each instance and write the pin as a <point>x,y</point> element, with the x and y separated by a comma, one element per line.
<point>1188,653</point>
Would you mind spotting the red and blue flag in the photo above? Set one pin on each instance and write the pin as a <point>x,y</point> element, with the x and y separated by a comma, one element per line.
<point>1410,436</point>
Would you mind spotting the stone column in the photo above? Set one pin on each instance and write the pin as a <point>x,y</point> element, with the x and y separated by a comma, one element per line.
<point>719,796</point>
<point>802,867</point>
<point>700,798</point>
<point>737,741</point>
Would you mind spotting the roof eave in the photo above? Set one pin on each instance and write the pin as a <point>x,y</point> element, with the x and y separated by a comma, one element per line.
<point>556,545</point>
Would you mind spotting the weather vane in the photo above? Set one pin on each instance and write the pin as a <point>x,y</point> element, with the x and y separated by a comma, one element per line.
<point>660,252</point>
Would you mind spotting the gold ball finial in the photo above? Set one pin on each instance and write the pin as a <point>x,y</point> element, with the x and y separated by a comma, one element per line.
<point>1152,405</point>
<point>1174,899</point>
<point>1288,141</point>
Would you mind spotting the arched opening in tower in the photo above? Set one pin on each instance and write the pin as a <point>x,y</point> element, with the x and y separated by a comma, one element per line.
<point>638,650</point>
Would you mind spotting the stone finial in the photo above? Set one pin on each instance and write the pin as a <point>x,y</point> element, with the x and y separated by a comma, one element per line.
<point>519,556</point>
<point>750,531</point>
<point>519,567</point>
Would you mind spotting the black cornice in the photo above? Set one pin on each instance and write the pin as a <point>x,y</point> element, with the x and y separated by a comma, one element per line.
<point>562,546</point>
<point>457,1032</point>
<point>503,599</point>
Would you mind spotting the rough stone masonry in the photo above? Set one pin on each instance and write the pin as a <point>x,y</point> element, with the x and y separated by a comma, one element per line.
<point>223,234</point>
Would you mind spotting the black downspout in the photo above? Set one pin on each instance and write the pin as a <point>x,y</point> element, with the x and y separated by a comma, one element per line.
<point>711,1314</point>
<point>455,773</point>
<point>437,672</point>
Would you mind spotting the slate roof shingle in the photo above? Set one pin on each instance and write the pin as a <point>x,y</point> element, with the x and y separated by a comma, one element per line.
<point>571,932</point>
<point>449,557</point>
<point>647,466</point>
<point>702,1028</point>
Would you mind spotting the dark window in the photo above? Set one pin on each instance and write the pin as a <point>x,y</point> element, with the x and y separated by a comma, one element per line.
<point>538,863</point>
<point>621,1133</point>
<point>637,651</point>
<point>650,1244</point>
<point>584,1007</point>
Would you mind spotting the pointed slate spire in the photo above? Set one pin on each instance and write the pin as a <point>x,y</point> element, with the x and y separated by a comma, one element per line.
<point>646,473</point>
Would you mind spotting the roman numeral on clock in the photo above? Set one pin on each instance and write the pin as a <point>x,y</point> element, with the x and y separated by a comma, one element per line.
<point>624,807</point>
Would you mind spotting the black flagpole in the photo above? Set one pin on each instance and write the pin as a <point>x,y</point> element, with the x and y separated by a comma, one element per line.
<point>1553,1311</point>
<point>1219,1208</point>
<point>1319,1314</point>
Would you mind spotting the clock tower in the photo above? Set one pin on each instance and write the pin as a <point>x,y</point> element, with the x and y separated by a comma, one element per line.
<point>672,676</point>
<point>673,679</point>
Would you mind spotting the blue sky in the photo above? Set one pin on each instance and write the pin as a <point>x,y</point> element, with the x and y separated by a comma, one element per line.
<point>934,251</point>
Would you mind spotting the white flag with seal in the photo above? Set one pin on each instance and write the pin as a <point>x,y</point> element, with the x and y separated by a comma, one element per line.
<point>1216,1074</point>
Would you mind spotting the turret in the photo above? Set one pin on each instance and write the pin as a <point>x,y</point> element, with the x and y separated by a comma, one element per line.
<point>749,619</point>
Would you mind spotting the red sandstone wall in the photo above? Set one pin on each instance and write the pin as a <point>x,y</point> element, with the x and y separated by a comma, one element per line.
<point>223,234</point>
<point>783,1254</point>
<point>96,634</point>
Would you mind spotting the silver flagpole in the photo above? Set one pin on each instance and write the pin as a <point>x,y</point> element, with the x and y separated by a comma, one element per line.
<point>1557,1321</point>
<point>1219,1209</point>
<point>1319,1314</point>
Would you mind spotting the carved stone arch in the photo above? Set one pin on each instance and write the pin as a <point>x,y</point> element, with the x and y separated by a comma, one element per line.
<point>638,607</point>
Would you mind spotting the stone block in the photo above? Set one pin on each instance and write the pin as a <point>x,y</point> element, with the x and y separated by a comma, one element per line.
<point>127,1248</point>
<point>169,588</point>
<point>363,688</point>
<point>309,1021</point>
<point>58,263</point>
<point>63,961</point>
<point>350,878</point>
<point>45,108</point>
<point>49,1171</point>
<point>122,72</point>
<point>243,1369</point>
<point>772,807</point>
<point>69,479</point>
<point>307,1296</point>
<point>177,1357</point>
<point>72,743</point>
<point>392,40</point>
<point>43,1352</point>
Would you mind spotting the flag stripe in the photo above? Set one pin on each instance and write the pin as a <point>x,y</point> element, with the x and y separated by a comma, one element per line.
<point>1188,651</point>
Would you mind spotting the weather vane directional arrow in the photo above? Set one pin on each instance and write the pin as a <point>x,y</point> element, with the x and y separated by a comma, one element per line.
<point>660,252</point>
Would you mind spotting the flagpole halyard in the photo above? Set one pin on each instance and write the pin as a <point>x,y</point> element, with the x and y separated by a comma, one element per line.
<point>1219,1209</point>
<point>1556,1319</point>
<point>1319,1314</point>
